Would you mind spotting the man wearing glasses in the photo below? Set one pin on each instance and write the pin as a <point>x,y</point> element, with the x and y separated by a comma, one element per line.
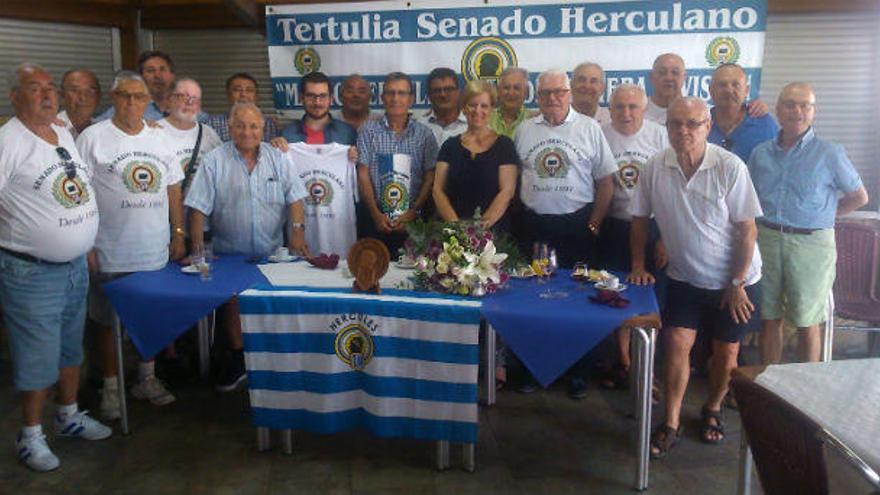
<point>48,222</point>
<point>444,118</point>
<point>705,206</point>
<point>804,183</point>
<point>241,88</point>
<point>157,70</point>
<point>356,94</point>
<point>732,127</point>
<point>396,158</point>
<point>317,126</point>
<point>80,94</point>
<point>137,185</point>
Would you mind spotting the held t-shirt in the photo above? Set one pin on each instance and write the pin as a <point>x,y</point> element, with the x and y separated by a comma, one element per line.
<point>44,212</point>
<point>131,179</point>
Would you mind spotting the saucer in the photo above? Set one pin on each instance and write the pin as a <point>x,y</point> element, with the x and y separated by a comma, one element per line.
<point>601,286</point>
<point>405,265</point>
<point>190,269</point>
<point>281,259</point>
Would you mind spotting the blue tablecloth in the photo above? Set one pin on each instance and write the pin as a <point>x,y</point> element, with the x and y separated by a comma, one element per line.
<point>549,335</point>
<point>156,307</point>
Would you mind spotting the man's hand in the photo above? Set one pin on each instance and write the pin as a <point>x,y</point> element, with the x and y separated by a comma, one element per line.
<point>280,143</point>
<point>353,154</point>
<point>92,261</point>
<point>400,222</point>
<point>738,303</point>
<point>177,249</point>
<point>383,223</point>
<point>298,244</point>
<point>640,276</point>
<point>757,108</point>
<point>661,258</point>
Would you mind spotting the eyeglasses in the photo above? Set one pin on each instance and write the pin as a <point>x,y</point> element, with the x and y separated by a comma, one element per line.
<point>393,93</point>
<point>316,97</point>
<point>690,124</point>
<point>443,90</point>
<point>557,93</point>
<point>69,166</point>
<point>727,144</point>
<point>123,95</point>
<point>188,99</point>
<point>803,105</point>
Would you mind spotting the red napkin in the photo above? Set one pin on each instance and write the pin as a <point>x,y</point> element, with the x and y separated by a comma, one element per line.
<point>324,261</point>
<point>609,298</point>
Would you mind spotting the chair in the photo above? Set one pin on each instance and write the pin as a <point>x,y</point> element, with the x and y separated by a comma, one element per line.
<point>788,447</point>
<point>855,289</point>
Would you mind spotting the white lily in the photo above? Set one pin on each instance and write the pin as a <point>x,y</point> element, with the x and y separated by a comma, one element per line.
<point>485,265</point>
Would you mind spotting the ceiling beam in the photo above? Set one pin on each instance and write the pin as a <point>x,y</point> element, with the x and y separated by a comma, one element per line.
<point>191,16</point>
<point>247,11</point>
<point>90,13</point>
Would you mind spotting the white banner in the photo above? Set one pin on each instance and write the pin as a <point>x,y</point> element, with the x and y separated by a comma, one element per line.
<point>479,39</point>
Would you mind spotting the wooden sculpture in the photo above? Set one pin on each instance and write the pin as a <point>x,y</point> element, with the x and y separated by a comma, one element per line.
<point>368,261</point>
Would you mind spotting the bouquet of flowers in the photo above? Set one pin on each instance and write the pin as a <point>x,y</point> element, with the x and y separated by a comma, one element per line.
<point>455,257</point>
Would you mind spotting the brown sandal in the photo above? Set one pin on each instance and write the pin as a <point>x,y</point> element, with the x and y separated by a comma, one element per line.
<point>709,427</point>
<point>664,438</point>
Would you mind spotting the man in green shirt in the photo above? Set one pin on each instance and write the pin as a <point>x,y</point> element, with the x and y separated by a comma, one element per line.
<point>513,86</point>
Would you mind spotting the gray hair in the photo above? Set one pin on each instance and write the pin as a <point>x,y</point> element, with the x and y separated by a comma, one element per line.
<point>691,101</point>
<point>15,74</point>
<point>184,79</point>
<point>126,75</point>
<point>241,107</point>
<point>630,87</point>
<point>553,73</point>
<point>589,65</point>
<point>796,84</point>
<point>514,70</point>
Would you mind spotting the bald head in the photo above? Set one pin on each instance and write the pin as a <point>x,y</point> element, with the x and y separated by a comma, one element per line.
<point>796,109</point>
<point>246,127</point>
<point>688,124</point>
<point>80,94</point>
<point>729,87</point>
<point>667,78</point>
<point>33,94</point>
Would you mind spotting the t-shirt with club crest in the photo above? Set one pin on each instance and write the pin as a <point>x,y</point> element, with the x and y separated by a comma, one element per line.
<point>631,154</point>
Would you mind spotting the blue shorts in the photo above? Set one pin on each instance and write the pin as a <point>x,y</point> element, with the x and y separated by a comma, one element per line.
<point>44,309</point>
<point>698,309</point>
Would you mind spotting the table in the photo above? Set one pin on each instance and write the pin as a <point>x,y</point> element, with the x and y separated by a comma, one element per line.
<point>157,307</point>
<point>841,396</point>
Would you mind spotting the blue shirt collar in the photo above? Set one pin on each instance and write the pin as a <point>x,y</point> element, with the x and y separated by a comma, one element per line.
<point>804,140</point>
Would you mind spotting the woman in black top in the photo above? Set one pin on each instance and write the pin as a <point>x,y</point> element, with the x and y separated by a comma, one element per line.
<point>479,168</point>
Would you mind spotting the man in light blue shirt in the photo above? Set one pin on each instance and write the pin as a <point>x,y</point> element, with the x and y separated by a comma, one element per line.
<point>249,190</point>
<point>803,183</point>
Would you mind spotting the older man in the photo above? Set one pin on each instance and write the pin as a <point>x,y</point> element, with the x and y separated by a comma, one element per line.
<point>137,185</point>
<point>705,206</point>
<point>633,141</point>
<point>567,183</point>
<point>48,221</point>
<point>356,95</point>
<point>241,88</point>
<point>190,140</point>
<point>396,158</point>
<point>317,125</point>
<point>732,127</point>
<point>80,94</point>
<point>803,182</point>
<point>513,88</point>
<point>444,118</point>
<point>587,88</point>
<point>249,191</point>
<point>157,70</point>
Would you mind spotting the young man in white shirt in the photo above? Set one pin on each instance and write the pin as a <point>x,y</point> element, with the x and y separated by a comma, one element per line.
<point>137,185</point>
<point>48,221</point>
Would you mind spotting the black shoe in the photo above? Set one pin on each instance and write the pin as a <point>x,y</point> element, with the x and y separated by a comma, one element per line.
<point>530,385</point>
<point>577,388</point>
<point>233,375</point>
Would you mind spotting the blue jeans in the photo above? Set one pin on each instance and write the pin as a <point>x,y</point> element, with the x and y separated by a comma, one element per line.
<point>44,309</point>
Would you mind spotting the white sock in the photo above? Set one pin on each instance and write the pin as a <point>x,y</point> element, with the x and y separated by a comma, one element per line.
<point>146,369</point>
<point>31,431</point>
<point>111,383</point>
<point>66,411</point>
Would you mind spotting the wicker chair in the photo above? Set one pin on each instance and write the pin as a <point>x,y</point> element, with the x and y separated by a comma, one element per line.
<point>855,289</point>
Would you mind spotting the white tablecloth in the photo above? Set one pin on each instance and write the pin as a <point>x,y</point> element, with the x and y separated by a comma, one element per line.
<point>842,396</point>
<point>302,273</point>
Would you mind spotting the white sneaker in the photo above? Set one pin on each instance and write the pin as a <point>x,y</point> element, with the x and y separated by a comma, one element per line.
<point>35,453</point>
<point>110,407</point>
<point>152,389</point>
<point>81,425</point>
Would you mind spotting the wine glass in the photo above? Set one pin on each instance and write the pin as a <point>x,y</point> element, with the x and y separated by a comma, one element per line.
<point>549,268</point>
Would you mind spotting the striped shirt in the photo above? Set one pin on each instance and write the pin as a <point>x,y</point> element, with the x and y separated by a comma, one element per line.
<point>247,210</point>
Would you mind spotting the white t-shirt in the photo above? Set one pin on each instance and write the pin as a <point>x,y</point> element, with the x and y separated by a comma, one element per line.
<point>131,179</point>
<point>655,113</point>
<point>560,164</point>
<point>330,180</point>
<point>44,213</point>
<point>696,217</point>
<point>631,153</point>
<point>183,142</point>
<point>441,133</point>
<point>603,115</point>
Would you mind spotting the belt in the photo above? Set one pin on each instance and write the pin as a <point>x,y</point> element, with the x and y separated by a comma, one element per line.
<point>786,229</point>
<point>32,259</point>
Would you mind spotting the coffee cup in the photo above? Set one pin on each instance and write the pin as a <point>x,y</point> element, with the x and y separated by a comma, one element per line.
<point>282,252</point>
<point>612,282</point>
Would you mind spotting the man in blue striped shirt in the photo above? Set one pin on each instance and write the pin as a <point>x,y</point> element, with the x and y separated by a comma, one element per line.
<point>396,158</point>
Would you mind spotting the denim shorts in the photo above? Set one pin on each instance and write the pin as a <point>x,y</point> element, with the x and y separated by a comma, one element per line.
<point>44,309</point>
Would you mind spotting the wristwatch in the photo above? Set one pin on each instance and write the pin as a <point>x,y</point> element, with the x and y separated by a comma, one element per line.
<point>593,228</point>
<point>298,225</point>
<point>738,282</point>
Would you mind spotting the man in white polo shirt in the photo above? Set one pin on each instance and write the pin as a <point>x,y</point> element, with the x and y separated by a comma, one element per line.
<point>137,185</point>
<point>705,206</point>
<point>183,130</point>
<point>48,221</point>
<point>567,174</point>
